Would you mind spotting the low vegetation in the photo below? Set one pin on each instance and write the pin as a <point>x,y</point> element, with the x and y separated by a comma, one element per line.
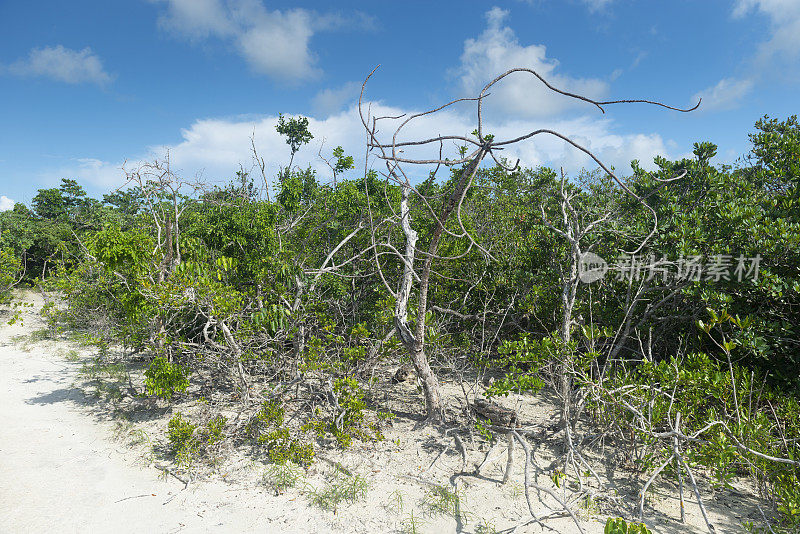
<point>288,305</point>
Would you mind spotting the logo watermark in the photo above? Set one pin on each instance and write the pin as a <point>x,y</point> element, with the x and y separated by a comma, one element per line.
<point>632,267</point>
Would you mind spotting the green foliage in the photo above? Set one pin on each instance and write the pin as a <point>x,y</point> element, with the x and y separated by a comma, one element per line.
<point>268,427</point>
<point>441,500</point>
<point>620,526</point>
<point>295,130</point>
<point>523,360</point>
<point>343,163</point>
<point>776,148</point>
<point>164,378</point>
<point>128,251</point>
<point>348,420</point>
<point>215,429</point>
<point>189,441</point>
<point>246,299</point>
<point>9,274</point>
<point>182,439</point>
<point>703,390</point>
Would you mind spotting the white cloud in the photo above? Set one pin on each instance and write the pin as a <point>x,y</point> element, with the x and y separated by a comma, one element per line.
<point>728,93</point>
<point>593,5</point>
<point>6,203</point>
<point>497,50</point>
<point>332,100</point>
<point>213,148</point>
<point>784,16</point>
<point>62,64</point>
<point>275,43</point>
<point>87,171</point>
<point>196,18</point>
<point>597,5</point>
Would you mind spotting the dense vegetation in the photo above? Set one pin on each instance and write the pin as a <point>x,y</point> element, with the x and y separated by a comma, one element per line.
<point>262,297</point>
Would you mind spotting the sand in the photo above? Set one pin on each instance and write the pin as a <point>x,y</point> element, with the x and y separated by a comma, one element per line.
<point>68,465</point>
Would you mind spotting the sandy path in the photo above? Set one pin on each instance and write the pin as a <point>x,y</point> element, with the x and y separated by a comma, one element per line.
<point>59,470</point>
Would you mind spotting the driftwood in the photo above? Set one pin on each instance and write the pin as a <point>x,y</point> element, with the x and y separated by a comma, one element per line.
<point>495,413</point>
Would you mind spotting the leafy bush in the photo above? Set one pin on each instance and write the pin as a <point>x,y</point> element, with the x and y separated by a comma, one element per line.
<point>702,390</point>
<point>9,274</point>
<point>215,430</point>
<point>347,421</point>
<point>183,442</point>
<point>620,526</point>
<point>164,378</point>
<point>268,426</point>
<point>188,441</point>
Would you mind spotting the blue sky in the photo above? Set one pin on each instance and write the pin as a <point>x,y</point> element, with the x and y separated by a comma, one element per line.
<point>89,86</point>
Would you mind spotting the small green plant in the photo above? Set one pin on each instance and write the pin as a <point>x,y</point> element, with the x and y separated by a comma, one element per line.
<point>164,378</point>
<point>268,426</point>
<point>412,524</point>
<point>183,442</point>
<point>557,477</point>
<point>441,500</point>
<point>351,403</point>
<point>590,506</point>
<point>10,266</point>
<point>515,490</point>
<point>483,431</point>
<point>620,526</point>
<point>189,441</point>
<point>485,527</point>
<point>215,429</point>
<point>348,419</point>
<point>395,502</point>
<point>281,477</point>
<point>522,360</point>
<point>343,487</point>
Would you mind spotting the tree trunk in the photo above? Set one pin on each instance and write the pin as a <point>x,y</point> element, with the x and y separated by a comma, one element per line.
<point>415,341</point>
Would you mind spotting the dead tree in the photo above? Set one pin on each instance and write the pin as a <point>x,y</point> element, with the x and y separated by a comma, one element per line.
<point>442,212</point>
<point>165,197</point>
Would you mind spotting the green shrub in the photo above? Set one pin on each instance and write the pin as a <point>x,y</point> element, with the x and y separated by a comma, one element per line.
<point>620,526</point>
<point>268,426</point>
<point>189,441</point>
<point>214,430</point>
<point>9,274</point>
<point>703,392</point>
<point>164,378</point>
<point>348,420</point>
<point>182,439</point>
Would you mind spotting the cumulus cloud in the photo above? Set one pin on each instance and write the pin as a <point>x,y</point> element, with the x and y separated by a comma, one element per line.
<point>277,44</point>
<point>497,50</point>
<point>728,93</point>
<point>274,43</point>
<point>784,16</point>
<point>332,100</point>
<point>6,203</point>
<point>62,64</point>
<point>196,19</point>
<point>213,149</point>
